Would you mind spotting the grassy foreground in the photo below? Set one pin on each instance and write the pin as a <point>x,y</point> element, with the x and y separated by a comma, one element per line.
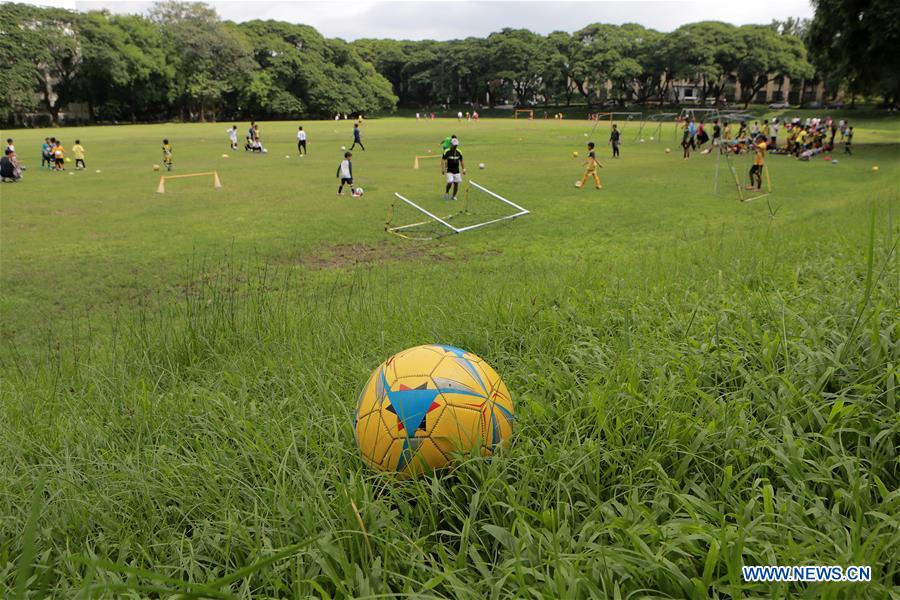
<point>700,384</point>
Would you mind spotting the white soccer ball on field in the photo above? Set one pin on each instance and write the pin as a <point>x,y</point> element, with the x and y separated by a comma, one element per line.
<point>668,150</point>
<point>358,192</point>
<point>224,156</point>
<point>480,165</point>
<point>642,140</point>
<point>287,155</point>
<point>98,170</point>
<point>343,147</point>
<point>264,151</point>
<point>578,184</point>
<point>651,138</point>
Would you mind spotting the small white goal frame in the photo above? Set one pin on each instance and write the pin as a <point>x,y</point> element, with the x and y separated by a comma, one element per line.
<point>451,229</point>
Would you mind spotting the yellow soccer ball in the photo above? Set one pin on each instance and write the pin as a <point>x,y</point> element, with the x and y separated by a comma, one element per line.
<point>574,155</point>
<point>426,404</point>
<point>156,167</point>
<point>875,168</point>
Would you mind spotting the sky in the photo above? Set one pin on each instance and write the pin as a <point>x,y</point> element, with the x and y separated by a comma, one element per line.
<point>449,19</point>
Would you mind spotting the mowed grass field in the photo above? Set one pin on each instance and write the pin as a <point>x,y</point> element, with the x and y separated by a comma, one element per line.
<point>700,383</point>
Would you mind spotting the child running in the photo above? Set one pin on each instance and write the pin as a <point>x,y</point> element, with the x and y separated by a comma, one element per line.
<point>345,173</point>
<point>78,152</point>
<point>232,137</point>
<point>167,154</point>
<point>591,168</point>
<point>356,137</point>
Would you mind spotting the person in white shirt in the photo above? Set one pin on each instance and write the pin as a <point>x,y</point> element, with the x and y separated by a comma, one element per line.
<point>232,135</point>
<point>301,141</point>
<point>345,172</point>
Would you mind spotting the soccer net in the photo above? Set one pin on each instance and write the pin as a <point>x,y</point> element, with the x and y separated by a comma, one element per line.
<point>737,167</point>
<point>478,207</point>
<point>526,113</point>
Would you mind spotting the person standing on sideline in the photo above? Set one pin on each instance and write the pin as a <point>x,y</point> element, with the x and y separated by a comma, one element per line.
<point>356,137</point>
<point>848,139</point>
<point>614,137</point>
<point>451,163</point>
<point>301,141</point>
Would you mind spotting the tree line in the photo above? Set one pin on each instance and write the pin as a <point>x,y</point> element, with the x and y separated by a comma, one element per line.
<point>182,61</point>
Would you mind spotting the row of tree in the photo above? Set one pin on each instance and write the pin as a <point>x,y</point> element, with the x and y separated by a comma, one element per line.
<point>182,61</point>
<point>179,61</point>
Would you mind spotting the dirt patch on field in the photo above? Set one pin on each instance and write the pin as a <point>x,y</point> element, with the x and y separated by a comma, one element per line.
<point>349,255</point>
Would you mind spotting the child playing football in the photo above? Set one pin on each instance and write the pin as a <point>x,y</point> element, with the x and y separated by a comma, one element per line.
<point>345,173</point>
<point>59,156</point>
<point>167,154</point>
<point>591,168</point>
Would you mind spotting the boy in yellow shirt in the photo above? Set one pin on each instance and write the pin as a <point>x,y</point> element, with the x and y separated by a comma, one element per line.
<point>759,161</point>
<point>167,154</point>
<point>59,156</point>
<point>591,168</point>
<point>78,152</point>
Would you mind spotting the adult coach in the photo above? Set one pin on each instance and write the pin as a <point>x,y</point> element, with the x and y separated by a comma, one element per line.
<point>614,137</point>
<point>451,165</point>
<point>301,141</point>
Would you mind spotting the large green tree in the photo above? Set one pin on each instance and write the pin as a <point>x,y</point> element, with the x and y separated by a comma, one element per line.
<point>47,44</point>
<point>519,59</point>
<point>709,53</point>
<point>18,77</point>
<point>210,60</point>
<point>766,56</point>
<point>857,41</point>
<point>301,72</point>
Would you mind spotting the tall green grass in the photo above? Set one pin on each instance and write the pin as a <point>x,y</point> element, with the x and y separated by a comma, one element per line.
<point>706,401</point>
